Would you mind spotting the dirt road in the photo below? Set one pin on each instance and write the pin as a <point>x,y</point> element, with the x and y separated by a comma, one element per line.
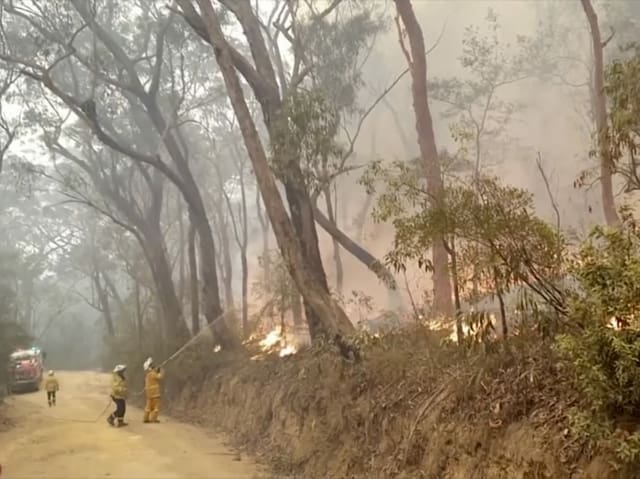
<point>46,443</point>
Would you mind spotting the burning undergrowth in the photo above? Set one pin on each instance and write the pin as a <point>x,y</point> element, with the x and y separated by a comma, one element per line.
<point>277,341</point>
<point>415,406</point>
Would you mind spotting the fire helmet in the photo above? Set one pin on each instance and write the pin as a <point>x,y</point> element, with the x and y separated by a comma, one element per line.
<point>148,363</point>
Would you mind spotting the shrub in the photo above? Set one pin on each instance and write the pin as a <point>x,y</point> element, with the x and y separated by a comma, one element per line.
<point>604,355</point>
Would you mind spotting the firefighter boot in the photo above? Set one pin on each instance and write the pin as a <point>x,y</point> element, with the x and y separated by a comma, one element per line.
<point>111,420</point>
<point>121,422</point>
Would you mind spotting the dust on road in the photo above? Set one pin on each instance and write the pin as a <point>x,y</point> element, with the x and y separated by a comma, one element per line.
<point>45,444</point>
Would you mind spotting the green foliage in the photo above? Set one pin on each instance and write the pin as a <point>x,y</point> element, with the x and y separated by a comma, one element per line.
<point>607,269</point>
<point>279,291</point>
<point>623,92</point>
<point>338,48</point>
<point>490,229</point>
<point>605,354</point>
<point>305,132</point>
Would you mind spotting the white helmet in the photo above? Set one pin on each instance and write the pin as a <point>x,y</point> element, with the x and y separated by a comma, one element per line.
<point>119,367</point>
<point>147,364</point>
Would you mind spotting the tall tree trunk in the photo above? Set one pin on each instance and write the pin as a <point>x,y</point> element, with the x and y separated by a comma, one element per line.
<point>244,245</point>
<point>296,310</point>
<point>226,262</point>
<point>336,247</point>
<point>139,319</point>
<point>184,180</point>
<point>264,225</point>
<point>600,100</point>
<point>197,212</point>
<point>453,254</point>
<point>181,249</point>
<point>193,281</point>
<point>105,306</point>
<point>299,246</point>
<point>426,139</point>
<point>156,254</point>
<point>111,288</point>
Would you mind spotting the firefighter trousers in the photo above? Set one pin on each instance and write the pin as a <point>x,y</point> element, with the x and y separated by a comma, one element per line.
<point>152,409</point>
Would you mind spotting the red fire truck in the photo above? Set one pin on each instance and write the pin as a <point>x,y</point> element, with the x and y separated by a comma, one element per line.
<point>26,370</point>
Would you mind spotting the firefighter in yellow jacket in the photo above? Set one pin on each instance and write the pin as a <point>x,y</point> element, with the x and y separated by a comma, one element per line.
<point>152,390</point>
<point>52,386</point>
<point>119,393</point>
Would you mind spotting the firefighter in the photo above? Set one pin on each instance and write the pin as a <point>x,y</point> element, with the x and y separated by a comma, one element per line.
<point>119,394</point>
<point>52,386</point>
<point>152,390</point>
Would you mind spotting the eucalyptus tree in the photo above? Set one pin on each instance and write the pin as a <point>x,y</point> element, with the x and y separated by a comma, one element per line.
<point>114,66</point>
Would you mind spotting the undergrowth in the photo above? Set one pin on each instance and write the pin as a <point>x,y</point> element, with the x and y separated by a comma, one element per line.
<point>534,405</point>
<point>315,411</point>
<point>604,356</point>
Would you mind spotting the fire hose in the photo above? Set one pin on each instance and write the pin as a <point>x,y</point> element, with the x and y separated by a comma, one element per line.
<point>90,421</point>
<point>164,363</point>
<point>187,344</point>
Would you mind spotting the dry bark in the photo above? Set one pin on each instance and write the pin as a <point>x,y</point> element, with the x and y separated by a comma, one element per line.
<point>600,107</point>
<point>417,61</point>
<point>298,242</point>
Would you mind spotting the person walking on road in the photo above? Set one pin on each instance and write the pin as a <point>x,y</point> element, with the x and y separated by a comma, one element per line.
<point>152,390</point>
<point>119,393</point>
<point>52,386</point>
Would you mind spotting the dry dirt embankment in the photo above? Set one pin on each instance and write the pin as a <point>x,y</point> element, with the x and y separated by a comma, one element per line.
<point>411,408</point>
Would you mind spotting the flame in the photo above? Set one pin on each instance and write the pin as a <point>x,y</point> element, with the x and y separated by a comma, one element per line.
<point>275,341</point>
<point>287,351</point>
<point>271,339</point>
<point>449,325</point>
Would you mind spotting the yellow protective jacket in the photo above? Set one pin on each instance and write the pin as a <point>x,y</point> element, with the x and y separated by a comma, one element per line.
<point>118,387</point>
<point>51,384</point>
<point>152,383</point>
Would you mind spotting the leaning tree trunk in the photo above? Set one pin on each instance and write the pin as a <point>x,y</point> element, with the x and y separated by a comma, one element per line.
<point>299,246</point>
<point>336,246</point>
<point>193,281</point>
<point>600,107</point>
<point>426,139</point>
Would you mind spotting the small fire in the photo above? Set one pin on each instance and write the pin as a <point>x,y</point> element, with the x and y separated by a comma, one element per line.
<point>276,341</point>
<point>271,339</point>
<point>287,351</point>
<point>613,324</point>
